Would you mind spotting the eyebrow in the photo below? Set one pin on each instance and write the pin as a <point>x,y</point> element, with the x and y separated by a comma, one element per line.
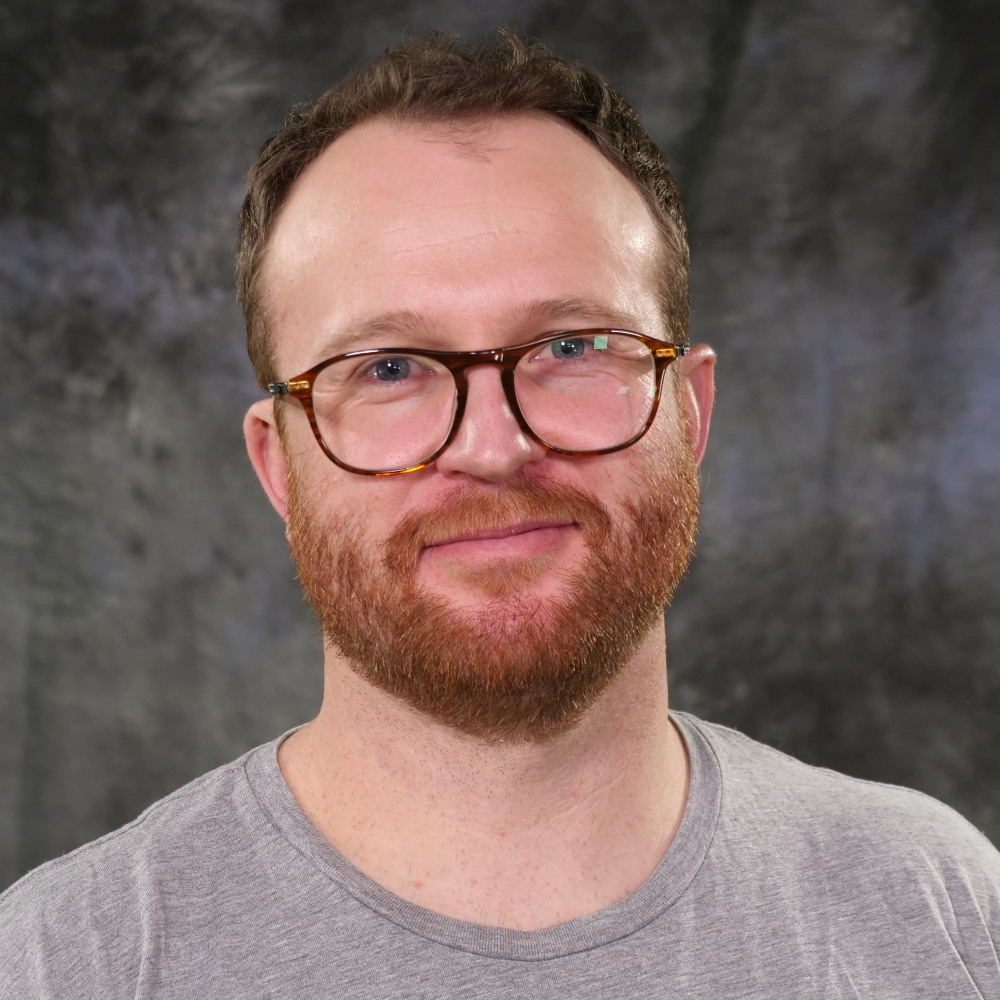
<point>402,323</point>
<point>544,311</point>
<point>405,328</point>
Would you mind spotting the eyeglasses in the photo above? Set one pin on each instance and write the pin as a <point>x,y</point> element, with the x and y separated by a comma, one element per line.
<point>391,410</point>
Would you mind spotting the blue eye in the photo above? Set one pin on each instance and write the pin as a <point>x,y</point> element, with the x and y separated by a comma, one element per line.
<point>572,348</point>
<point>391,369</point>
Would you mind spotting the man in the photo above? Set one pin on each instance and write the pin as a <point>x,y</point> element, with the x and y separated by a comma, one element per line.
<point>464,276</point>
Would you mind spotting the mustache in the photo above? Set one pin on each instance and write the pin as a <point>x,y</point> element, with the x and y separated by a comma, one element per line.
<point>475,509</point>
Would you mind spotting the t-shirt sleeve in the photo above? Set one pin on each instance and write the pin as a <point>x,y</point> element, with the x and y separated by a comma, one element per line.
<point>953,872</point>
<point>69,931</point>
<point>887,882</point>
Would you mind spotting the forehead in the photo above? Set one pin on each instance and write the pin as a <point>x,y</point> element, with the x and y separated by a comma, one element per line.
<point>457,226</point>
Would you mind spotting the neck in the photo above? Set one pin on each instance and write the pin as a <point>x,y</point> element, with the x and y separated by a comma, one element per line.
<point>511,835</point>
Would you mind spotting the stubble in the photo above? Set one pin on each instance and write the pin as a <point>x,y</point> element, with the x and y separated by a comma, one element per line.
<point>518,667</point>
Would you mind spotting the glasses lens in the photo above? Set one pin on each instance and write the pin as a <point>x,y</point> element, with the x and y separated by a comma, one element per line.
<point>587,392</point>
<point>384,412</point>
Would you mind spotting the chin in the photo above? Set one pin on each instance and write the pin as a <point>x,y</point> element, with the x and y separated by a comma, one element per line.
<point>495,588</point>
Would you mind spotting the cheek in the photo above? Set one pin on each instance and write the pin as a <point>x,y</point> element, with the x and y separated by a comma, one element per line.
<point>324,492</point>
<point>654,458</point>
<point>670,430</point>
<point>305,459</point>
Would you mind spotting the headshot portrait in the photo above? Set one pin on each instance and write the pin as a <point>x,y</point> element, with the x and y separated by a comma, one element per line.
<point>500,503</point>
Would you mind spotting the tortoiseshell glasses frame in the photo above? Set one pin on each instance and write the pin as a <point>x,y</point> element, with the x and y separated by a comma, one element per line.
<point>458,362</point>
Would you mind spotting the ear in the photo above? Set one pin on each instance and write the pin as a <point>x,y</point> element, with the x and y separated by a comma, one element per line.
<point>266,453</point>
<point>697,371</point>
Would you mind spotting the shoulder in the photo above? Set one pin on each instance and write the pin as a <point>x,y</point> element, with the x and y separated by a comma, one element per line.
<point>87,918</point>
<point>162,836</point>
<point>890,838</point>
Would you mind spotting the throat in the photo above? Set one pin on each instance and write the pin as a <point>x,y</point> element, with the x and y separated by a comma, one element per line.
<point>514,834</point>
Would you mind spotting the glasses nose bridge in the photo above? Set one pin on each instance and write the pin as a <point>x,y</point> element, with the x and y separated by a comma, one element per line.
<point>473,359</point>
<point>501,358</point>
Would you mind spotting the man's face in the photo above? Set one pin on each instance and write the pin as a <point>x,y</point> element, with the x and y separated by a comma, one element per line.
<point>420,236</point>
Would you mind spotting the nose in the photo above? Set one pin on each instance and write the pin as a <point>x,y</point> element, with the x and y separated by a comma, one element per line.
<point>490,444</point>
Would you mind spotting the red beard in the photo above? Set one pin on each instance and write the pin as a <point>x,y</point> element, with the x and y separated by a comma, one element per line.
<point>519,667</point>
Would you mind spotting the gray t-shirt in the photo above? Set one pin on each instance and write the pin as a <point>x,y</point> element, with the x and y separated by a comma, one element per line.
<point>784,881</point>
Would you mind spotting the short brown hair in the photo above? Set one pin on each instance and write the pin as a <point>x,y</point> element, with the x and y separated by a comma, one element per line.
<point>435,79</point>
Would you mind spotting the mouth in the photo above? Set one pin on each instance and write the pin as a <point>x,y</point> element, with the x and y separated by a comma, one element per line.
<point>508,531</point>
<point>526,540</point>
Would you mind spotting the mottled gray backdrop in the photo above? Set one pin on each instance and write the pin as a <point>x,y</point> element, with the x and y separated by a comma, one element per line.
<point>840,160</point>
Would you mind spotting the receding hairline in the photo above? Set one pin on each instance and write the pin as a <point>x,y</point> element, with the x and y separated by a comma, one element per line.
<point>462,130</point>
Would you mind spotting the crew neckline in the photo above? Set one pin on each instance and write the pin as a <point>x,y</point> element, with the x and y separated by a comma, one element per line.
<point>667,883</point>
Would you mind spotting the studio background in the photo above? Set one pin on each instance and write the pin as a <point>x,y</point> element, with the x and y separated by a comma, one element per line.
<point>840,162</point>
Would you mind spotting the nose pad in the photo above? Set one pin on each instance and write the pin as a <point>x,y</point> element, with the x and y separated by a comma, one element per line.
<point>490,444</point>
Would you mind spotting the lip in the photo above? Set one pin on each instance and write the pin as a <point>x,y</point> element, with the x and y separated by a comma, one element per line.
<point>508,531</point>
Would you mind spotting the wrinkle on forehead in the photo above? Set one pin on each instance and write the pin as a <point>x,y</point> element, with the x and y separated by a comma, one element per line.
<point>362,166</point>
